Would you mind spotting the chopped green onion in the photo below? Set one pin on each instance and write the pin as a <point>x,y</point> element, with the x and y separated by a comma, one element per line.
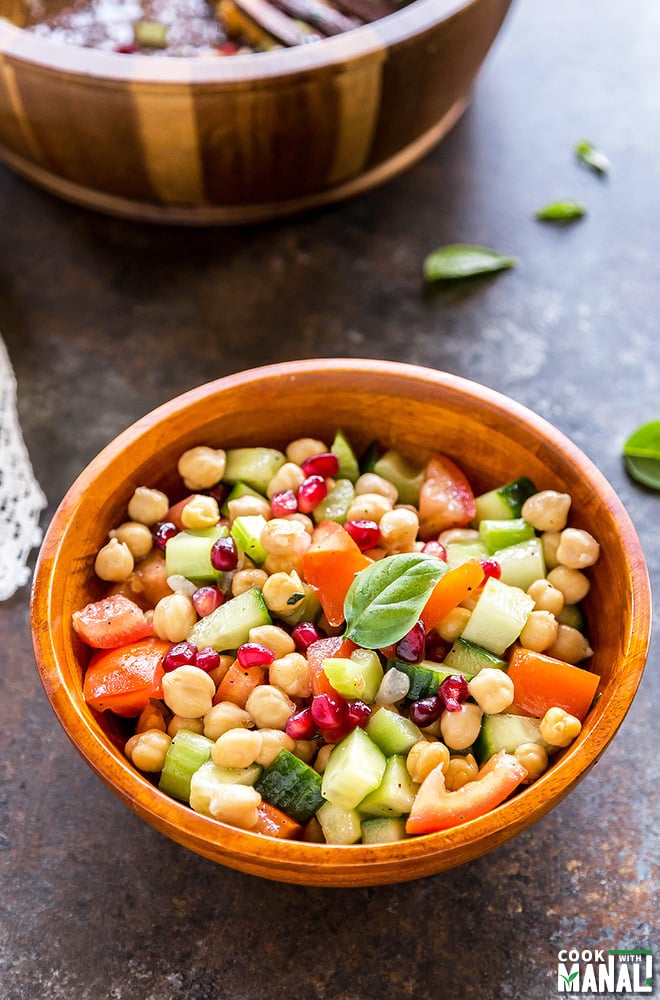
<point>592,157</point>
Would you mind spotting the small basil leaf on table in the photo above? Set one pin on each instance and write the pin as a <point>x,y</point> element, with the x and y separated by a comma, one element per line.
<point>641,454</point>
<point>462,260</point>
<point>561,211</point>
<point>591,157</point>
<point>386,599</point>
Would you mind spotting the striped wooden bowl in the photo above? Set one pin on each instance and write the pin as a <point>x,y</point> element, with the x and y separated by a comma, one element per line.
<point>251,137</point>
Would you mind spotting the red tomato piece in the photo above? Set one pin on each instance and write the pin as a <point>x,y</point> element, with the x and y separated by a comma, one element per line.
<point>124,680</point>
<point>111,622</point>
<point>325,649</point>
<point>446,499</point>
<point>436,809</point>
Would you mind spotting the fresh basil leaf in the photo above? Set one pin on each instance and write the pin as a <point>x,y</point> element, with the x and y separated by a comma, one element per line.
<point>592,157</point>
<point>386,599</point>
<point>561,211</point>
<point>641,454</point>
<point>461,260</point>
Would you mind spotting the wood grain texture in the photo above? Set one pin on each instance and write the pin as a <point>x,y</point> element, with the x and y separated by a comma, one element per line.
<point>241,138</point>
<point>418,410</point>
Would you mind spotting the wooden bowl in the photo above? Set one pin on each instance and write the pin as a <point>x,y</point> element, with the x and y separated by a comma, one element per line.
<point>493,438</point>
<point>230,140</point>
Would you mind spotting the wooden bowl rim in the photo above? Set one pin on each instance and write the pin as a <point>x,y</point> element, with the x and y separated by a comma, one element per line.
<point>351,864</point>
<point>367,40</point>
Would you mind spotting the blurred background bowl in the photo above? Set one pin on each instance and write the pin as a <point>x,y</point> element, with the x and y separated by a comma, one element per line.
<point>419,411</point>
<point>208,139</point>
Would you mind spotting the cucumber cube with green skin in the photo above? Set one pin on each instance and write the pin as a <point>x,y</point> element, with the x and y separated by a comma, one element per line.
<point>407,478</point>
<point>505,501</point>
<point>354,768</point>
<point>426,677</point>
<point>395,794</point>
<point>335,504</point>
<point>468,658</point>
<point>356,676</point>
<point>246,531</point>
<point>291,785</point>
<point>521,564</point>
<point>340,826</point>
<point>228,627</point>
<point>209,777</point>
<point>499,534</point>
<point>507,732</point>
<point>393,733</point>
<point>188,553</point>
<point>349,467</point>
<point>459,552</point>
<point>498,617</point>
<point>185,755</point>
<point>383,830</point>
<point>254,466</point>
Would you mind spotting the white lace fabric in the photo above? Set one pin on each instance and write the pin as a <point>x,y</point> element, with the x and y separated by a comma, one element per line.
<point>21,497</point>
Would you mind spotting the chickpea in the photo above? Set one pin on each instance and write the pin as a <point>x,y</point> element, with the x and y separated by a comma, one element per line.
<point>546,597</point>
<point>533,758</point>
<point>188,691</point>
<point>577,549</point>
<point>202,467</point>
<point>237,748</point>
<point>279,591</point>
<point>248,506</point>
<point>300,449</point>
<point>492,689</point>
<point>305,750</point>
<point>559,728</point>
<point>200,512</point>
<point>147,750</point>
<point>460,729</point>
<point>178,722</point>
<point>137,536</point>
<point>452,625</point>
<point>368,507</point>
<point>246,579</point>
<point>237,805</point>
<point>370,482</point>
<point>304,519</point>
<point>174,616</point>
<point>398,530</point>
<point>269,707</point>
<point>282,537</point>
<point>550,543</point>
<point>274,638</point>
<point>179,584</point>
<point>572,583</point>
<point>225,716</point>
<point>570,645</point>
<point>148,506</point>
<point>288,477</point>
<point>114,562</point>
<point>292,674</point>
<point>272,741</point>
<point>424,756</point>
<point>539,631</point>
<point>547,510</point>
<point>451,535</point>
<point>322,758</point>
<point>291,563</point>
<point>460,771</point>
<point>151,717</point>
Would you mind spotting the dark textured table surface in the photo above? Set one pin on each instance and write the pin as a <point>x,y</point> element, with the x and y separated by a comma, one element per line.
<point>105,319</point>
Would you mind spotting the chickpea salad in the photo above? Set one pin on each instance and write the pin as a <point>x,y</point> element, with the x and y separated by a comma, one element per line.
<point>342,649</point>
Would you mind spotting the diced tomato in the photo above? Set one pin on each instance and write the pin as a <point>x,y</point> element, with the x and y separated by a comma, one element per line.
<point>541,682</point>
<point>149,579</point>
<point>272,822</point>
<point>330,565</point>
<point>435,808</point>
<point>124,680</point>
<point>325,649</point>
<point>446,499</point>
<point>238,684</point>
<point>111,622</point>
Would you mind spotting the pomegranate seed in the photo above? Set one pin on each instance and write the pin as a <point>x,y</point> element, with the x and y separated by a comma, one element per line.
<point>181,654</point>
<point>224,554</point>
<point>426,710</point>
<point>220,492</point>
<point>304,634</point>
<point>491,567</point>
<point>359,713</point>
<point>163,532</point>
<point>436,648</point>
<point>127,48</point>
<point>253,654</point>
<point>301,725</point>
<point>284,503</point>
<point>207,599</point>
<point>453,691</point>
<point>207,659</point>
<point>329,713</point>
<point>411,648</point>
<point>228,48</point>
<point>310,493</point>
<point>365,534</point>
<point>437,549</point>
<point>325,464</point>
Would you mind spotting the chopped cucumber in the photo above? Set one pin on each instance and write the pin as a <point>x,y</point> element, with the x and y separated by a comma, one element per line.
<point>507,732</point>
<point>370,457</point>
<point>254,466</point>
<point>357,676</point>
<point>521,564</point>
<point>228,627</point>
<point>246,532</point>
<point>505,501</point>
<point>469,659</point>
<point>188,553</point>
<point>185,755</point>
<point>498,617</point>
<point>460,552</point>
<point>498,534</point>
<point>426,677</point>
<point>349,467</point>
<point>395,794</point>
<point>407,478</point>
<point>354,768</point>
<point>383,830</point>
<point>334,506</point>
<point>340,826</point>
<point>392,732</point>
<point>292,786</point>
<point>209,777</point>
<point>237,491</point>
